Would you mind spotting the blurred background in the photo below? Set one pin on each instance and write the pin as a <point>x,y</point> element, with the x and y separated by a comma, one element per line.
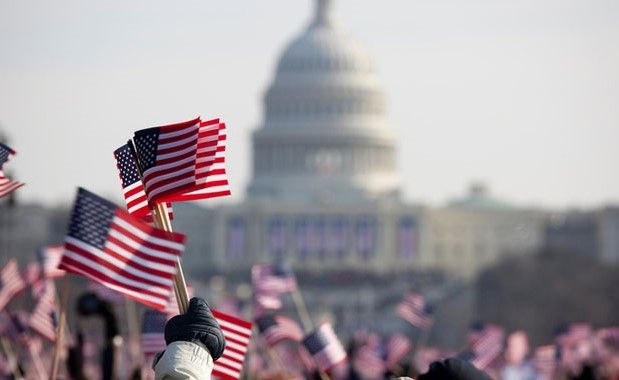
<point>462,150</point>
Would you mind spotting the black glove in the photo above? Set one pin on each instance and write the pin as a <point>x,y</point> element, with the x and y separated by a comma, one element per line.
<point>197,325</point>
<point>453,369</point>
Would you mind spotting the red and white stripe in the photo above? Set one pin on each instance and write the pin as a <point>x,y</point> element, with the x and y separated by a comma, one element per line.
<point>137,202</point>
<point>174,171</point>
<point>11,281</point>
<point>7,185</point>
<point>137,260</point>
<point>412,310</point>
<point>398,347</point>
<point>211,180</point>
<point>152,343</point>
<point>41,319</point>
<point>238,335</point>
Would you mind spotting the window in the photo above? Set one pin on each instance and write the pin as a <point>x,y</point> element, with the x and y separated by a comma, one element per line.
<point>235,238</point>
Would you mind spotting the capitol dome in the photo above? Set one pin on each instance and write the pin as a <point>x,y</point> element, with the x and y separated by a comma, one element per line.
<point>324,135</point>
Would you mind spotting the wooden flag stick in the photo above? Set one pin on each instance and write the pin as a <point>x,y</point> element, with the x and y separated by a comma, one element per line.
<point>299,303</point>
<point>306,320</point>
<point>11,358</point>
<point>61,323</point>
<point>162,219</point>
<point>38,365</point>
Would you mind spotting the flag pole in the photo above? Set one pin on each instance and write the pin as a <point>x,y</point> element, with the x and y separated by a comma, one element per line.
<point>306,320</point>
<point>10,355</point>
<point>61,323</point>
<point>299,303</point>
<point>162,220</point>
<point>180,286</point>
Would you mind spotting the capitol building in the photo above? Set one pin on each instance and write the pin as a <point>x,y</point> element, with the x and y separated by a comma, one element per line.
<point>325,191</point>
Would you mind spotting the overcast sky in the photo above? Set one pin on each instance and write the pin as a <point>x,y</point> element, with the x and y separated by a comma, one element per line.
<point>522,94</point>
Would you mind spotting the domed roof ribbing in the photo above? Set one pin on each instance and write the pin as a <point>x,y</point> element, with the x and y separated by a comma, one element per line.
<point>324,133</point>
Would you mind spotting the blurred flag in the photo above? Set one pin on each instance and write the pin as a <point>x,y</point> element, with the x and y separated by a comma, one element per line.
<point>273,278</point>
<point>106,293</point>
<point>50,259</point>
<point>183,161</point>
<point>7,185</point>
<point>398,346</point>
<point>415,311</point>
<point>269,281</point>
<point>545,361</point>
<point>43,319</point>
<point>238,334</point>
<point>486,343</point>
<point>210,170</point>
<point>11,282</point>
<point>325,347</point>
<point>368,361</point>
<point>108,245</point>
<point>153,326</point>
<point>133,189</point>
<point>34,278</point>
<point>275,328</point>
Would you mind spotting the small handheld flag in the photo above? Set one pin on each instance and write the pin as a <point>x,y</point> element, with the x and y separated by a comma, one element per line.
<point>7,185</point>
<point>108,245</point>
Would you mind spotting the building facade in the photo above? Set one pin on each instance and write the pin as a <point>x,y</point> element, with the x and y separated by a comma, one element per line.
<point>325,189</point>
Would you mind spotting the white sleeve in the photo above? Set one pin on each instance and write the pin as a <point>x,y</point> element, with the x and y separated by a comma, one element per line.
<point>184,361</point>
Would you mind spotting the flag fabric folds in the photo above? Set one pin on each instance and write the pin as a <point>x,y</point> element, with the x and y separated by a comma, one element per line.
<point>486,344</point>
<point>325,347</point>
<point>415,311</point>
<point>183,161</point>
<point>152,337</point>
<point>43,319</point>
<point>398,346</point>
<point>131,181</point>
<point>238,335</point>
<point>269,281</point>
<point>275,328</point>
<point>11,282</point>
<point>368,361</point>
<point>108,245</point>
<point>7,185</point>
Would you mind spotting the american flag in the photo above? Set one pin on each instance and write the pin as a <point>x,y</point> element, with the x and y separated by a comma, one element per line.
<point>44,318</point>
<point>34,278</point>
<point>210,173</point>
<point>275,328</point>
<point>273,278</point>
<point>415,311</point>
<point>183,161</point>
<point>133,189</point>
<point>398,346</point>
<point>50,259</point>
<point>106,293</point>
<point>11,282</point>
<point>325,347</point>
<point>368,361</point>
<point>7,185</point>
<point>153,327</point>
<point>545,361</point>
<point>108,245</point>
<point>269,282</point>
<point>486,343</point>
<point>238,335</point>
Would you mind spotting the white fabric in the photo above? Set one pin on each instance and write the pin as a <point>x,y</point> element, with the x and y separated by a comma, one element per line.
<point>184,361</point>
